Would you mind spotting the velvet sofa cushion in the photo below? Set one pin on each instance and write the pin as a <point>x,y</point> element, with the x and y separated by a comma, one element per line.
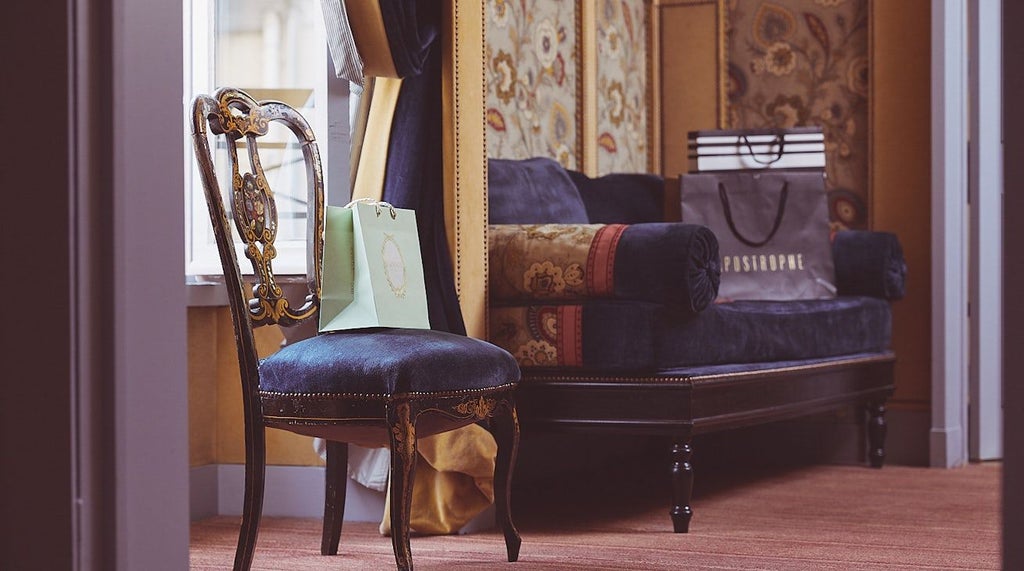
<point>670,263</point>
<point>532,191</point>
<point>596,334</point>
<point>387,362</point>
<point>869,263</point>
<point>761,331</point>
<point>639,337</point>
<point>622,198</point>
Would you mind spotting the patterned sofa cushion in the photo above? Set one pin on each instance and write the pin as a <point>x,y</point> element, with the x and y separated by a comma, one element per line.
<point>599,334</point>
<point>671,263</point>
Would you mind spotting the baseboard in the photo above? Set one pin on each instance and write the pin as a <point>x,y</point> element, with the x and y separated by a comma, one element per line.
<point>202,491</point>
<point>948,447</point>
<point>291,491</point>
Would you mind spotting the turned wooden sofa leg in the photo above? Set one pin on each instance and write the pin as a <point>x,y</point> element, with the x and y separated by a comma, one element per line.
<point>876,434</point>
<point>682,485</point>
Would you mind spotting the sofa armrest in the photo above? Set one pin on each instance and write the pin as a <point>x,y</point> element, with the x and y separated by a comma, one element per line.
<point>869,263</point>
<point>669,263</point>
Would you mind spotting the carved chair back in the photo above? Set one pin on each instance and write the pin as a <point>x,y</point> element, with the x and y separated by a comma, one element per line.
<point>242,122</point>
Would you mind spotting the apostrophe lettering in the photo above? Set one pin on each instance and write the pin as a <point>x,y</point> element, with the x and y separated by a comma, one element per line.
<point>763,263</point>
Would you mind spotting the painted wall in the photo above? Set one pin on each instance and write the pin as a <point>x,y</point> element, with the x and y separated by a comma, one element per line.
<point>623,100</point>
<point>215,402</point>
<point>567,79</point>
<point>533,80</point>
<point>805,62</point>
<point>900,171</point>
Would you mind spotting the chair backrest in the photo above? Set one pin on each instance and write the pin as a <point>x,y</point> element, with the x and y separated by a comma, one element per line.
<point>235,115</point>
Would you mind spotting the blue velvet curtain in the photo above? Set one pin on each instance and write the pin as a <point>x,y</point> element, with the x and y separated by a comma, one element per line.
<point>414,175</point>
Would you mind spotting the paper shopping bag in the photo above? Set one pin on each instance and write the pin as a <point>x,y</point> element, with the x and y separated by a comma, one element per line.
<point>797,148</point>
<point>772,230</point>
<point>372,269</point>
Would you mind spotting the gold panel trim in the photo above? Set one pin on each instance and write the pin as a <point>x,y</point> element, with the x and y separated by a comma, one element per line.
<point>464,85</point>
<point>657,53</point>
<point>586,86</point>
<point>653,86</point>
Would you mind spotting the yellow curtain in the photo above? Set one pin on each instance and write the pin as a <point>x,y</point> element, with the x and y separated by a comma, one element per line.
<point>454,470</point>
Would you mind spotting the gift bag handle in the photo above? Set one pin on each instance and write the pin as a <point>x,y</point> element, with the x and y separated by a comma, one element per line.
<point>378,205</point>
<point>779,139</point>
<point>724,196</point>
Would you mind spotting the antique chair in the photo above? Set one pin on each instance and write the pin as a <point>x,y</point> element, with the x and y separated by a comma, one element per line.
<point>372,387</point>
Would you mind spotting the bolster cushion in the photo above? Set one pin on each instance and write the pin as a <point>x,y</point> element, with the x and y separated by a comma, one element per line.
<point>669,263</point>
<point>869,263</point>
<point>532,191</point>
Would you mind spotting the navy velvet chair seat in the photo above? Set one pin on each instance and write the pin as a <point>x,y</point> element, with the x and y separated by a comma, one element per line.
<point>387,362</point>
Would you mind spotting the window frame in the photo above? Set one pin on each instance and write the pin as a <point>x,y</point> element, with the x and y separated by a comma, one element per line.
<point>202,261</point>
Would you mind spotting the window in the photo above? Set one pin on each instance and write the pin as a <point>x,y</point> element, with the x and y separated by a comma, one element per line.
<point>272,49</point>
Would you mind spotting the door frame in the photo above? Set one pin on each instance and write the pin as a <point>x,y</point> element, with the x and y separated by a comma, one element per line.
<point>950,327</point>
<point>985,402</point>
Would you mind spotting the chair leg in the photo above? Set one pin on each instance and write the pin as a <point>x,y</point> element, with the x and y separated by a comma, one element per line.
<point>682,485</point>
<point>252,509</point>
<point>876,434</point>
<point>334,500</point>
<point>505,427</point>
<point>401,421</point>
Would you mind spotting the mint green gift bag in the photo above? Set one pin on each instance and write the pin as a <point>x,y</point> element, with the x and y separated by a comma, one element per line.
<point>372,269</point>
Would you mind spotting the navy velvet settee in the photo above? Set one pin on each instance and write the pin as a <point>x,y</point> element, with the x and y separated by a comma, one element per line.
<point>612,316</point>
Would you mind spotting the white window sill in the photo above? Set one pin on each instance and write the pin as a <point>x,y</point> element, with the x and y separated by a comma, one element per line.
<point>209,291</point>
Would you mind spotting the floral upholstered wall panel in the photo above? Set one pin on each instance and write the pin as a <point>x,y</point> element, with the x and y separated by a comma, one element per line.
<point>622,98</point>
<point>805,62</point>
<point>532,87</point>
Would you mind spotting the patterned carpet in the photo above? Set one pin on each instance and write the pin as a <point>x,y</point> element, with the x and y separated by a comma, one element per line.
<point>806,517</point>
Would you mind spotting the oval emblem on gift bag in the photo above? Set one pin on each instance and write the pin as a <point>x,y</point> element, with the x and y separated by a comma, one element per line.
<point>394,265</point>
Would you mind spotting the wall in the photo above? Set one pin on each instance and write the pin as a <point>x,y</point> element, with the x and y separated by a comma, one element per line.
<point>533,80</point>
<point>802,62</point>
<point>621,87</point>
<point>900,172</point>
<point>567,79</point>
<point>215,405</point>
